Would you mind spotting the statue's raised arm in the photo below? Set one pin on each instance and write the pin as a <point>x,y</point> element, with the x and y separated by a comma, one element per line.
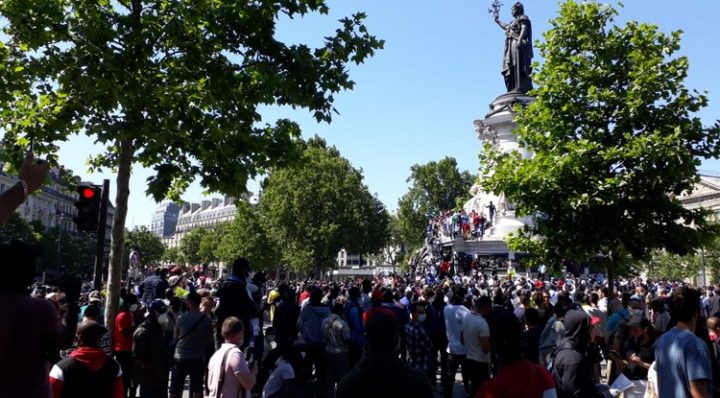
<point>518,54</point>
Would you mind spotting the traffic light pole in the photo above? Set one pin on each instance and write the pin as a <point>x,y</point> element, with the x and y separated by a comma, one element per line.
<point>100,248</point>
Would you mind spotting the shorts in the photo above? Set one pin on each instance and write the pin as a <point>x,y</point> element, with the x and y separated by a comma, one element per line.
<point>183,367</point>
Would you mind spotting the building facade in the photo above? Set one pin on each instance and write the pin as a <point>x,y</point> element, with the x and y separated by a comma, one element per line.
<point>206,214</point>
<point>53,205</point>
<point>165,219</point>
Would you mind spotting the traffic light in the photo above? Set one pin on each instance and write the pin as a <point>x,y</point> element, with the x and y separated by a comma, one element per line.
<point>88,206</point>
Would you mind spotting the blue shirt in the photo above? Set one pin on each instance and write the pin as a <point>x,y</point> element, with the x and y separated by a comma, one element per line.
<point>680,357</point>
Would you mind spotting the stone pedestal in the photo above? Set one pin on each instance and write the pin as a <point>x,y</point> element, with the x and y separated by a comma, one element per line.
<point>497,129</point>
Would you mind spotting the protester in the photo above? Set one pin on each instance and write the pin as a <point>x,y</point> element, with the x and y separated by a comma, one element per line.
<point>419,346</point>
<point>518,377</point>
<point>123,339</point>
<point>31,330</point>
<point>154,287</point>
<point>572,371</point>
<point>151,354</point>
<point>336,333</point>
<point>381,374</point>
<point>682,360</point>
<point>88,372</point>
<point>638,355</point>
<point>192,333</point>
<point>234,300</point>
<point>454,315</point>
<point>310,322</point>
<point>476,339</point>
<point>229,374</point>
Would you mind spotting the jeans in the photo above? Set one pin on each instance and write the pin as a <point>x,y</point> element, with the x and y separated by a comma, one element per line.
<point>455,362</point>
<point>338,365</point>
<point>124,358</point>
<point>479,373</point>
<point>181,370</point>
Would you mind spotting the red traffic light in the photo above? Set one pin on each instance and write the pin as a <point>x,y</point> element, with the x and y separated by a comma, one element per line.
<point>88,193</point>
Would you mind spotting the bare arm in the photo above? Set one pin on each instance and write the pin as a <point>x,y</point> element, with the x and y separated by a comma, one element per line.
<point>700,388</point>
<point>247,380</point>
<point>485,344</point>
<point>9,201</point>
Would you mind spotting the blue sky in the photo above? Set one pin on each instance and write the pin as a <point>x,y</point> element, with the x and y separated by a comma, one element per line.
<point>416,100</point>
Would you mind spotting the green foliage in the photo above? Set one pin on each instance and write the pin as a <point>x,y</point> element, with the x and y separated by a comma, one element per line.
<point>319,206</point>
<point>435,187</point>
<point>190,246</point>
<point>148,245</point>
<point>73,252</point>
<point>247,236</point>
<point>172,255</point>
<point>208,248</point>
<point>663,265</point>
<point>615,143</point>
<point>181,81</point>
<point>16,228</point>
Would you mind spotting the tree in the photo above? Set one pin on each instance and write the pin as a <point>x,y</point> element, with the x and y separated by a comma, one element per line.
<point>69,252</point>
<point>319,206</point>
<point>435,187</point>
<point>208,248</point>
<point>146,243</point>
<point>170,85</point>
<point>614,141</point>
<point>247,236</point>
<point>172,255</point>
<point>16,228</point>
<point>663,265</point>
<point>190,245</point>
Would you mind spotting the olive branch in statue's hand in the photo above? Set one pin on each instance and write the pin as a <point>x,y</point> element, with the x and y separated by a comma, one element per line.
<point>494,9</point>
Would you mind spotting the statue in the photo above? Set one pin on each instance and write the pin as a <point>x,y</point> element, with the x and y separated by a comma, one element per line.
<point>517,59</point>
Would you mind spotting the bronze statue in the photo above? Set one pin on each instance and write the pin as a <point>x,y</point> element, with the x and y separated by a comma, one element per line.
<point>517,59</point>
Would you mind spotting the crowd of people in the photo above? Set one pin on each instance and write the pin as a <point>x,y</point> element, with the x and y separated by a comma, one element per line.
<point>400,335</point>
<point>459,223</point>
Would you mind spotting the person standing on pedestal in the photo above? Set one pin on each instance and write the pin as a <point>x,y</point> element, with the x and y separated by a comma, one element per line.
<point>517,58</point>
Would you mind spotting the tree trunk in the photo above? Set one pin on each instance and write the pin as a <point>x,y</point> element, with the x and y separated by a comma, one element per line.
<point>118,233</point>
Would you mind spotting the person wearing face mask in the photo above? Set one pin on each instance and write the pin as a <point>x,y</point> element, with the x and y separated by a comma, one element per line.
<point>419,346</point>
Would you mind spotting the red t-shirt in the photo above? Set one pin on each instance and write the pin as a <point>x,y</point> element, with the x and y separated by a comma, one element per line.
<point>123,322</point>
<point>520,379</point>
<point>304,295</point>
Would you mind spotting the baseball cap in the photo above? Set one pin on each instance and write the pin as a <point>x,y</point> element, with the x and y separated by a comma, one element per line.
<point>157,305</point>
<point>94,296</point>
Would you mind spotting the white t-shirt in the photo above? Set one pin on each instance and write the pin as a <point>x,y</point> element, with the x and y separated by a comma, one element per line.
<point>474,327</point>
<point>454,315</point>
